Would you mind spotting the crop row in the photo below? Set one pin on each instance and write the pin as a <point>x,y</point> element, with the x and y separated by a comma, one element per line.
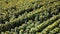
<point>20,19</point>
<point>31,26</point>
<point>19,12</point>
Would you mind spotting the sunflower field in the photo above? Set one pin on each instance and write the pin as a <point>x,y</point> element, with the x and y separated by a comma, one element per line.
<point>29,16</point>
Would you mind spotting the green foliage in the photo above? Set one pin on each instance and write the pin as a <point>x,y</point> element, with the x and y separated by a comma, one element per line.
<point>29,16</point>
